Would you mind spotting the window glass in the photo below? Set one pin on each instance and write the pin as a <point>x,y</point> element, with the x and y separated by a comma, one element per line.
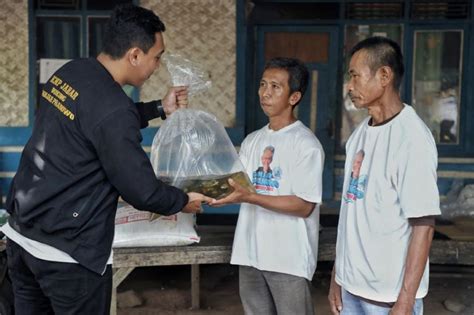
<point>351,117</point>
<point>58,37</point>
<point>96,32</point>
<point>436,87</point>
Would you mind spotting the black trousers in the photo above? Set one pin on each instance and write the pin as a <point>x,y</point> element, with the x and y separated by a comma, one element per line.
<point>43,287</point>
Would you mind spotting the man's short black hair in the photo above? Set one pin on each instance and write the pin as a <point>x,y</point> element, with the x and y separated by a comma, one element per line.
<point>130,26</point>
<point>298,74</point>
<point>382,51</point>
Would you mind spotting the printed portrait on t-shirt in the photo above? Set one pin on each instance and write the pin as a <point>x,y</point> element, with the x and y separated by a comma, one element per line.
<point>357,182</point>
<point>266,179</point>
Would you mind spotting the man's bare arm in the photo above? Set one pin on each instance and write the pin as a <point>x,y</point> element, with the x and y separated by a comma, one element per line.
<point>418,251</point>
<point>291,205</point>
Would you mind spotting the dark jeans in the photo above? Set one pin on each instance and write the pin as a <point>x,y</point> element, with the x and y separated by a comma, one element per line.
<point>43,287</point>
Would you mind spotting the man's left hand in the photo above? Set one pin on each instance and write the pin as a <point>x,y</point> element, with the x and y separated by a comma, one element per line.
<point>176,98</point>
<point>401,309</point>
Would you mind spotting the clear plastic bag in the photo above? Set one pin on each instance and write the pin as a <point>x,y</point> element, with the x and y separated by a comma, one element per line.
<point>184,72</point>
<point>192,151</point>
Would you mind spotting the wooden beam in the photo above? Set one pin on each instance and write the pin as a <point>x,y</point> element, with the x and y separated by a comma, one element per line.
<point>119,275</point>
<point>195,290</point>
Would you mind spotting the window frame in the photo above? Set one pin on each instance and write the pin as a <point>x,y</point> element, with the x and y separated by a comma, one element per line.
<point>463,148</point>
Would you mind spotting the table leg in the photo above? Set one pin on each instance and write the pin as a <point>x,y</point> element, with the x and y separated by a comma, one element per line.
<point>195,303</point>
<point>119,275</point>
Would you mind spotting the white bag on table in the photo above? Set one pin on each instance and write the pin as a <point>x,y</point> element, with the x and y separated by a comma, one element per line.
<point>134,228</point>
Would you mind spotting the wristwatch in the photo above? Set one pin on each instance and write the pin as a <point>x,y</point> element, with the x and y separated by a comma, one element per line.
<point>161,111</point>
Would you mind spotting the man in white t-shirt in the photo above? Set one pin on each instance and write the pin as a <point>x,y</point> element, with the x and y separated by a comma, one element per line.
<point>390,195</point>
<point>276,239</point>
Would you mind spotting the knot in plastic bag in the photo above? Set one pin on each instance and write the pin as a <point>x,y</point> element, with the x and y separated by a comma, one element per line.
<point>184,72</point>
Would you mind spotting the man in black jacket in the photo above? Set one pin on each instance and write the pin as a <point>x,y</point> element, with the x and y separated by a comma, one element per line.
<point>83,154</point>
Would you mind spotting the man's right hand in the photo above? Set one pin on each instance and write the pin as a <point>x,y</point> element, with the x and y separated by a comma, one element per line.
<point>176,98</point>
<point>334,295</point>
<point>195,203</point>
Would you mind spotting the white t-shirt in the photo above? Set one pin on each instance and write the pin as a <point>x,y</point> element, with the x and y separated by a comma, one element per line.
<point>395,180</point>
<point>273,241</point>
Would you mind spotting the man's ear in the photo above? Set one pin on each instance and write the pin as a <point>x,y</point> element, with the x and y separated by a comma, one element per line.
<point>133,55</point>
<point>295,97</point>
<point>386,75</point>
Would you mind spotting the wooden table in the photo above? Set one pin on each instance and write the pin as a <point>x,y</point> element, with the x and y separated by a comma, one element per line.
<point>216,246</point>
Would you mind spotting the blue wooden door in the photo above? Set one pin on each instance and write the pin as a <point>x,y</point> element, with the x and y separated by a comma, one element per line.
<point>317,48</point>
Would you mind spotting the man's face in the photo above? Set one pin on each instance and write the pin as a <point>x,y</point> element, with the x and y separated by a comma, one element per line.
<point>274,93</point>
<point>267,158</point>
<point>148,62</point>
<point>364,86</point>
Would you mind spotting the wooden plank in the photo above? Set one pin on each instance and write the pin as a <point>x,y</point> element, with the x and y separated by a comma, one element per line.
<point>172,257</point>
<point>460,229</point>
<point>195,290</point>
<point>120,274</point>
<point>113,302</point>
<point>452,252</point>
<point>457,232</point>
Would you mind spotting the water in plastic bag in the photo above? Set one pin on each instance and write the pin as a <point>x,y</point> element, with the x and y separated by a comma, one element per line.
<point>215,186</point>
<point>192,151</point>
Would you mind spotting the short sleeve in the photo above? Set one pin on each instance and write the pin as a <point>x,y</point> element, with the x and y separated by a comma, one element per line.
<point>307,177</point>
<point>417,179</point>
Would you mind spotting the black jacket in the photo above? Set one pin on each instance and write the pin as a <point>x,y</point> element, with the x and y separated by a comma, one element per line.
<point>83,153</point>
